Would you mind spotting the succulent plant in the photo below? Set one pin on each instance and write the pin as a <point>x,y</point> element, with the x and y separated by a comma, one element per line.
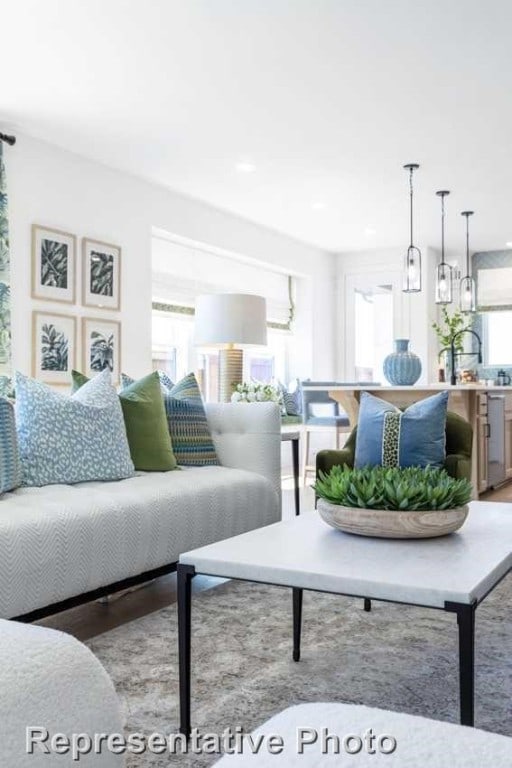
<point>394,488</point>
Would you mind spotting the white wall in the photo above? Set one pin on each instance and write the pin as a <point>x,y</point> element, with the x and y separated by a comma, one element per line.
<point>415,312</point>
<point>59,189</point>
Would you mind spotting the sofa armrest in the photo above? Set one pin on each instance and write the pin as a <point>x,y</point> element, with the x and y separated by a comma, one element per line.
<point>326,460</point>
<point>248,436</point>
<point>458,466</point>
<point>50,680</point>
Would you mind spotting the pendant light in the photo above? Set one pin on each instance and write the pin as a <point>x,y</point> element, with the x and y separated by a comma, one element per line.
<point>412,266</point>
<point>444,279</point>
<point>467,284</point>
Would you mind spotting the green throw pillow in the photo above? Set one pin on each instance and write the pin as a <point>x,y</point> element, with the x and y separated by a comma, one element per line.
<point>145,421</point>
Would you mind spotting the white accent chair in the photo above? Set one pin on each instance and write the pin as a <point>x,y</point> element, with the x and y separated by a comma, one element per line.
<point>50,680</point>
<point>419,742</point>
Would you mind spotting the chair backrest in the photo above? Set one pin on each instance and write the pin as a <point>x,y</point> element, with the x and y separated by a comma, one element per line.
<point>320,397</point>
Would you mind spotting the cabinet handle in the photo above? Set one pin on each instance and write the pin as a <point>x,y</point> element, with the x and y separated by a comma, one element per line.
<point>487,430</point>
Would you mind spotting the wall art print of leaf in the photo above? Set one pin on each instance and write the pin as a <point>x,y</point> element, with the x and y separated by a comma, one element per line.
<point>102,351</point>
<point>101,276</point>
<point>54,264</point>
<point>54,348</point>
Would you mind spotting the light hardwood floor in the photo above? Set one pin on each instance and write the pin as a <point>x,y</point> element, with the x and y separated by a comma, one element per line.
<point>98,617</point>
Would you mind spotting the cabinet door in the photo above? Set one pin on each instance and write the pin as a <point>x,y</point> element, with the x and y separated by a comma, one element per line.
<point>508,435</point>
<point>482,436</point>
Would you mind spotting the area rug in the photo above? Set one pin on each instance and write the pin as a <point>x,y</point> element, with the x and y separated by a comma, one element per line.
<point>395,657</point>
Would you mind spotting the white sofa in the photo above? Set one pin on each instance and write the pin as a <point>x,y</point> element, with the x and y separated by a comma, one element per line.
<point>62,542</point>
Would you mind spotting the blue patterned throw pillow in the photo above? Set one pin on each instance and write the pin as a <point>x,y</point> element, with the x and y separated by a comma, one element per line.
<point>10,467</point>
<point>71,439</point>
<point>415,437</point>
<point>190,434</point>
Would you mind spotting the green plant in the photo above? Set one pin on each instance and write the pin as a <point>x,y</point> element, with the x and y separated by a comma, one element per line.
<point>449,327</point>
<point>395,488</point>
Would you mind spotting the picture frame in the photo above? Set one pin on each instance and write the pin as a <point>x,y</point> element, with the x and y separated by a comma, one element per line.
<point>53,347</point>
<point>101,347</point>
<point>53,264</point>
<point>101,274</point>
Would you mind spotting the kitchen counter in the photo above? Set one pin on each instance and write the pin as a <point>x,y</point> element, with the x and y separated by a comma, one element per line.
<point>479,386</point>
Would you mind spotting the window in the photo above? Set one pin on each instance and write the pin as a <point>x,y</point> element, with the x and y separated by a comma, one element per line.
<point>373,331</point>
<point>497,328</point>
<point>171,343</point>
<point>174,352</point>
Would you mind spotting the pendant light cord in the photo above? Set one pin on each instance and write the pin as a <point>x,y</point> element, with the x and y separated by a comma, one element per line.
<point>411,170</point>
<point>467,246</point>
<point>442,229</point>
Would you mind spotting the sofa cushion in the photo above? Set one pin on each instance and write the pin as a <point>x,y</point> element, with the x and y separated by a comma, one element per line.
<point>10,467</point>
<point>145,422</point>
<point>71,439</point>
<point>60,541</point>
<point>415,437</point>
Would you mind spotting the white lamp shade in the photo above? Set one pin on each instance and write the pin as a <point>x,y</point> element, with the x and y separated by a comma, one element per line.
<point>230,318</point>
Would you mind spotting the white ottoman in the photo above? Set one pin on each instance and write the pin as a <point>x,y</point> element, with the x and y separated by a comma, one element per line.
<point>420,743</point>
<point>50,680</point>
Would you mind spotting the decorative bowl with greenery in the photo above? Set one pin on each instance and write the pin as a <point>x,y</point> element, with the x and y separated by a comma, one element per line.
<point>393,502</point>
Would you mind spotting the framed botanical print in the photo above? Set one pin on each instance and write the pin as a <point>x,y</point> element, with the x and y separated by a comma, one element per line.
<point>101,346</point>
<point>53,347</point>
<point>101,274</point>
<point>53,264</point>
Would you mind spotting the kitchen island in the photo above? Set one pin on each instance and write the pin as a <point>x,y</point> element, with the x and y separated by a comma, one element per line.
<point>471,401</point>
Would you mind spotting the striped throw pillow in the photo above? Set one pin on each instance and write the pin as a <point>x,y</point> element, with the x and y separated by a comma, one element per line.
<point>10,466</point>
<point>191,438</point>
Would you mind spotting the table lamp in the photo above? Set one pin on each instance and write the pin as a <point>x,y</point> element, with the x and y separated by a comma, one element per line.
<point>223,320</point>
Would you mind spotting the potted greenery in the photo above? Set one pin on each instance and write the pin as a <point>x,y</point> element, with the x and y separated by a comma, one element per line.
<point>393,502</point>
<point>450,328</point>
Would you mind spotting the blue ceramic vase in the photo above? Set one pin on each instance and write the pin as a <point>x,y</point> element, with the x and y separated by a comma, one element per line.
<point>402,368</point>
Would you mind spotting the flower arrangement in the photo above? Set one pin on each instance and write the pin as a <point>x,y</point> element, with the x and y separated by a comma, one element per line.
<point>393,488</point>
<point>255,392</point>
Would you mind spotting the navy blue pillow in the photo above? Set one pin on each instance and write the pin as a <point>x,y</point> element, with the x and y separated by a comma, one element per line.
<point>389,437</point>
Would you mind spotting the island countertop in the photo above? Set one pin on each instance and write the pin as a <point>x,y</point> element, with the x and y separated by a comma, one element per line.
<point>374,387</point>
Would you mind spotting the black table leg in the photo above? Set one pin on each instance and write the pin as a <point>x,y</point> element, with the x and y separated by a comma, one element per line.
<point>185,575</point>
<point>297,622</point>
<point>367,604</point>
<point>295,459</point>
<point>466,621</point>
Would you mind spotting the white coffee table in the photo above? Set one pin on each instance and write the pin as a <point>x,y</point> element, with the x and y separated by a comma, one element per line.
<point>454,573</point>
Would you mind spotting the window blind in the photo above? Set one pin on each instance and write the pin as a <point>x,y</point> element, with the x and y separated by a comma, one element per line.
<point>182,272</point>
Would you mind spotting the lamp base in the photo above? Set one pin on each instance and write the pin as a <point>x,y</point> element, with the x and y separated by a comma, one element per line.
<point>231,371</point>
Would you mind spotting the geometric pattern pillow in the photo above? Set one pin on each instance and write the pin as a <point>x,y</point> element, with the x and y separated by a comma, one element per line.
<point>191,438</point>
<point>73,439</point>
<point>390,437</point>
<point>10,467</point>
